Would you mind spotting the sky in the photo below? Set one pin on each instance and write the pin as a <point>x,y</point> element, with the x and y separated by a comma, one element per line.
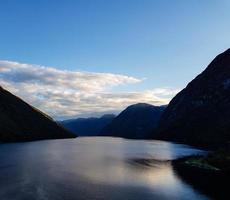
<point>73,58</point>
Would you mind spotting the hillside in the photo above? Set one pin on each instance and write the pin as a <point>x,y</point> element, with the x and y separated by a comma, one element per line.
<point>22,122</point>
<point>88,126</point>
<point>200,113</point>
<point>135,122</point>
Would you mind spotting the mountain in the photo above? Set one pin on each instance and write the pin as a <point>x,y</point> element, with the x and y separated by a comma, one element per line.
<point>88,126</point>
<point>200,113</point>
<point>22,122</point>
<point>135,122</point>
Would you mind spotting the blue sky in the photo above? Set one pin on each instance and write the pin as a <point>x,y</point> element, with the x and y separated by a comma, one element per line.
<point>163,43</point>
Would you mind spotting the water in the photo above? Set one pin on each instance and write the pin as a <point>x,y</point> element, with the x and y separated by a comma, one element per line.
<point>97,168</point>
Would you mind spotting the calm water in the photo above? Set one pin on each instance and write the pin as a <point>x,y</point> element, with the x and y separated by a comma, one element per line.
<point>93,168</point>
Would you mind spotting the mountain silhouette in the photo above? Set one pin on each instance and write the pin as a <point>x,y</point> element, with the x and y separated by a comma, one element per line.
<point>200,113</point>
<point>22,122</point>
<point>88,126</point>
<point>135,122</point>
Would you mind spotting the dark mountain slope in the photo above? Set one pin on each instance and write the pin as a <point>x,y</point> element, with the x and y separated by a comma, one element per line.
<point>21,122</point>
<point>88,126</point>
<point>135,122</point>
<point>200,113</point>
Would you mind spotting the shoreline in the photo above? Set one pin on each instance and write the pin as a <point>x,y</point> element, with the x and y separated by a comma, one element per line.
<point>209,179</point>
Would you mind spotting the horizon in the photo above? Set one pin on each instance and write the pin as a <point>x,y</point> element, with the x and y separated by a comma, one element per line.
<point>97,57</point>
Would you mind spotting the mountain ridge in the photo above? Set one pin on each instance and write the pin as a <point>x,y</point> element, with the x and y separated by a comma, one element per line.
<point>200,113</point>
<point>23,122</point>
<point>134,122</point>
<point>88,126</point>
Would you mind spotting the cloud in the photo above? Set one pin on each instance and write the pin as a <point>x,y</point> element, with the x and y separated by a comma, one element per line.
<point>60,79</point>
<point>66,94</point>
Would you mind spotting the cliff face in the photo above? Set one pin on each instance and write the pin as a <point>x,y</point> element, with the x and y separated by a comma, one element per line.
<point>135,122</point>
<point>21,122</point>
<point>200,113</point>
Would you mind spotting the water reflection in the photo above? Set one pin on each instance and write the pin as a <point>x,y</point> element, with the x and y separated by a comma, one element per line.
<point>93,168</point>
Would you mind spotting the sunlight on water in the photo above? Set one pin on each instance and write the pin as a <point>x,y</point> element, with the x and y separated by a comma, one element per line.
<point>93,168</point>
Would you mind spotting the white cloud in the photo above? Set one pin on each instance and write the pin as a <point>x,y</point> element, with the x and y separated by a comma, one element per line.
<point>60,79</point>
<point>66,94</point>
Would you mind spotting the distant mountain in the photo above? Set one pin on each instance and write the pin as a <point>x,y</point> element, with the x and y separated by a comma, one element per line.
<point>135,122</point>
<point>200,113</point>
<point>88,126</point>
<point>21,122</point>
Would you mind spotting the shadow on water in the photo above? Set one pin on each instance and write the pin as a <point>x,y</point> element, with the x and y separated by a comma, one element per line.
<point>214,184</point>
